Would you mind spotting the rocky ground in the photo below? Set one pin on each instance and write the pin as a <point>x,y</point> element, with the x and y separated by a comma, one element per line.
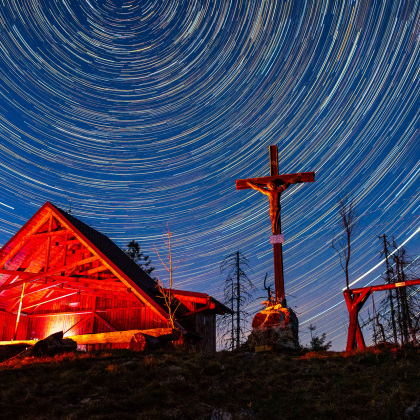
<point>124,384</point>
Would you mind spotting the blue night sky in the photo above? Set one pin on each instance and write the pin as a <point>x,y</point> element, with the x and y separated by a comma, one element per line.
<point>145,113</point>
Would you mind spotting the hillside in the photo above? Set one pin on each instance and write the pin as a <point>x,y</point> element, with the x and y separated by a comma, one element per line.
<point>123,384</point>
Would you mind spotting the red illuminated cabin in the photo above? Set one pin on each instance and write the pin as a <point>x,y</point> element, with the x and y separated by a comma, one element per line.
<point>58,274</point>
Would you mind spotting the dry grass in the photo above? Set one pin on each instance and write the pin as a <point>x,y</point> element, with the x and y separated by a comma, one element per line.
<point>121,384</point>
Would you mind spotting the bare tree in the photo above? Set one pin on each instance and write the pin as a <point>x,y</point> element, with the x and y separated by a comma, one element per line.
<point>400,307</point>
<point>236,291</point>
<point>171,302</point>
<point>341,242</point>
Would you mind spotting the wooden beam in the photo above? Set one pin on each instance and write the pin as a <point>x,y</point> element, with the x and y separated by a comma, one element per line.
<point>78,324</point>
<point>38,276</point>
<point>82,312</point>
<point>19,312</point>
<point>12,305</point>
<point>21,243</point>
<point>100,319</point>
<point>388,286</point>
<point>47,300</point>
<point>102,338</point>
<point>17,272</point>
<point>242,184</point>
<point>359,299</point>
<point>68,242</point>
<point>118,336</point>
<point>111,282</point>
<point>32,257</point>
<point>35,290</point>
<point>47,254</point>
<point>99,294</point>
<point>94,270</point>
<point>11,279</point>
<point>137,291</point>
<point>48,234</point>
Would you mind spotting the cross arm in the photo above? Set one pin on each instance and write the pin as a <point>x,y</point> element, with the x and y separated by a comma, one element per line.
<point>242,184</point>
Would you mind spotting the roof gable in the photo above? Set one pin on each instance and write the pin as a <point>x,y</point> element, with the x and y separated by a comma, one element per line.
<point>56,252</point>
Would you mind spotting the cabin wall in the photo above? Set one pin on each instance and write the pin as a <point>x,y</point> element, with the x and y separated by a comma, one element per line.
<point>205,326</point>
<point>8,325</point>
<point>141,318</point>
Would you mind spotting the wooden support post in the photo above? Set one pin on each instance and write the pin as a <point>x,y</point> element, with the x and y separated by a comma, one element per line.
<point>273,186</point>
<point>47,254</point>
<point>93,315</point>
<point>19,311</point>
<point>278,272</point>
<point>99,318</point>
<point>354,305</point>
<point>78,324</point>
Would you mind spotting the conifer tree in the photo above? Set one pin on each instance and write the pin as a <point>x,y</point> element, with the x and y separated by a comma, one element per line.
<point>143,261</point>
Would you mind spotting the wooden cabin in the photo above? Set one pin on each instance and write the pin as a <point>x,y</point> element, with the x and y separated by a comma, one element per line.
<point>59,274</point>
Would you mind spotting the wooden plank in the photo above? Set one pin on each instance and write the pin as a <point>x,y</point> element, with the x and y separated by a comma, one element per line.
<point>11,279</point>
<point>387,286</point>
<point>274,160</point>
<point>48,234</point>
<point>95,270</point>
<point>100,319</point>
<point>21,243</point>
<point>87,311</point>
<point>137,291</point>
<point>242,184</point>
<point>47,254</point>
<point>34,290</point>
<point>117,287</point>
<point>77,325</point>
<point>47,300</point>
<point>17,272</point>
<point>98,293</point>
<point>19,311</point>
<point>33,277</point>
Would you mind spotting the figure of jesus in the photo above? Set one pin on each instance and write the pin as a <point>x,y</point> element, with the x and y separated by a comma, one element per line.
<point>274,193</point>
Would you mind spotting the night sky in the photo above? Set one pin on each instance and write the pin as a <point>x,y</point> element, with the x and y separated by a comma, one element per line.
<point>145,113</point>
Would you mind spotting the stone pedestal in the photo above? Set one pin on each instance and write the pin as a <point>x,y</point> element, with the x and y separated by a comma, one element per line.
<point>275,326</point>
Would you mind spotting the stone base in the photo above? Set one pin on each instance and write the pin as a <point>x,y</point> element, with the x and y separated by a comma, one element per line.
<point>275,326</point>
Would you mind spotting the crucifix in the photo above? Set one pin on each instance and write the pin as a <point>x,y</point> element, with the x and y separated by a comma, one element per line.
<point>273,186</point>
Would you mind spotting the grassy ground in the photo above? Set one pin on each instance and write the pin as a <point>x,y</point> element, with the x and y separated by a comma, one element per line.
<point>121,384</point>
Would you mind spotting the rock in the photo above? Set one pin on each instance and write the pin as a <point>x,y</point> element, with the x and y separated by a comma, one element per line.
<point>11,350</point>
<point>413,412</point>
<point>53,344</point>
<point>219,414</point>
<point>245,414</point>
<point>131,362</point>
<point>275,326</point>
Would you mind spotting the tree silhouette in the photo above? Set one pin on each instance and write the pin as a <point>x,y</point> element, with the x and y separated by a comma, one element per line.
<point>143,261</point>
<point>171,302</point>
<point>236,290</point>
<point>341,242</point>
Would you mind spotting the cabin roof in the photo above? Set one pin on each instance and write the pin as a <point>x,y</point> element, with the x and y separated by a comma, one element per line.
<point>24,256</point>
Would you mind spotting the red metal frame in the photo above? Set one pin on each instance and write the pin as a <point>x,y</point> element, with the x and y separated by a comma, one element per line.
<point>355,299</point>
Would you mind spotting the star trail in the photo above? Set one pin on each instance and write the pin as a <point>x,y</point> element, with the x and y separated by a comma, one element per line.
<point>145,113</point>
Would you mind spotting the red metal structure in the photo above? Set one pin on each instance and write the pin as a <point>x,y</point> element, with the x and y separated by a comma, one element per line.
<point>59,274</point>
<point>355,299</point>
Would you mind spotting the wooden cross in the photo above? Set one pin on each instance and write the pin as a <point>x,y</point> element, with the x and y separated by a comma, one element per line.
<point>273,186</point>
